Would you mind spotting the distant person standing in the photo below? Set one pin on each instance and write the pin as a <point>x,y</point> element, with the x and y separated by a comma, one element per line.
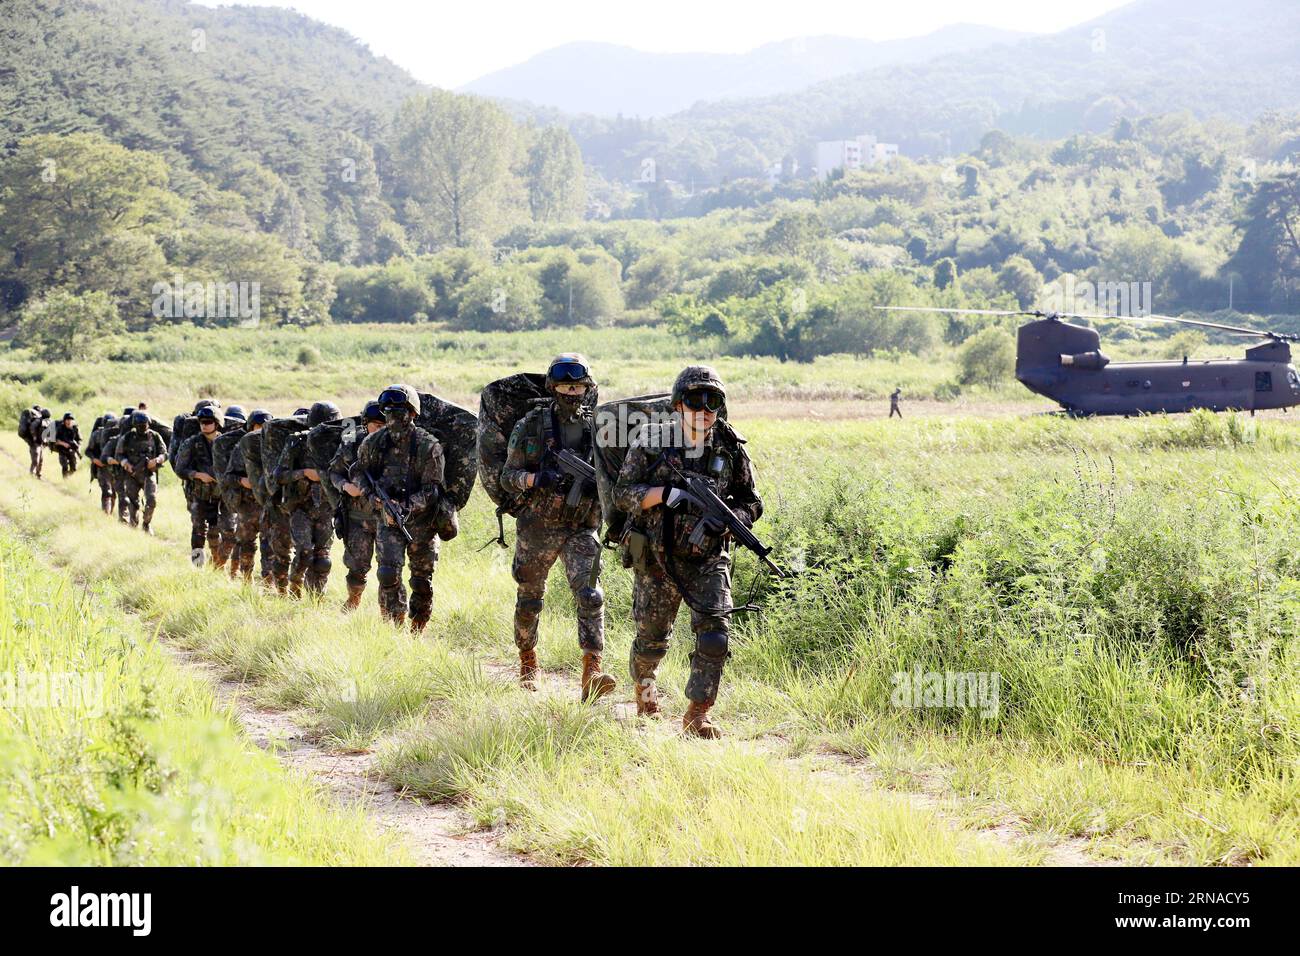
<point>893,402</point>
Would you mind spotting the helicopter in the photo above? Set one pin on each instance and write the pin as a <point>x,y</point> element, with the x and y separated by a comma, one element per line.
<point>1064,362</point>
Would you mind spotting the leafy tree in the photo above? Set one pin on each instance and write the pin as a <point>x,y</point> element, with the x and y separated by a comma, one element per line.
<point>85,214</point>
<point>945,274</point>
<point>988,357</point>
<point>556,191</point>
<point>505,299</point>
<point>453,157</point>
<point>1268,255</point>
<point>65,326</point>
<point>1019,277</point>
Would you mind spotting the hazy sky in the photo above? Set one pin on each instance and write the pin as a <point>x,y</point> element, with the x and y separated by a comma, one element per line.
<point>449,44</point>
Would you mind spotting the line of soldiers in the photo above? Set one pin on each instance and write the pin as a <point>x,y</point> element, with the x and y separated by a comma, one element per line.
<point>384,494</point>
<point>37,428</point>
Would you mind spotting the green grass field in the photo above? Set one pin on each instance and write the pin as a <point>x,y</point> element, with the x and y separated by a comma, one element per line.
<point>1133,585</point>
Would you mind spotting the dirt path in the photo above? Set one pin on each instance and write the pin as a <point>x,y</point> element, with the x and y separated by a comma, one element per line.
<point>434,834</point>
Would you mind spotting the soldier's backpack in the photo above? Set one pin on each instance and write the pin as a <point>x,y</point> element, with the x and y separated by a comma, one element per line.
<point>275,435</point>
<point>222,448</point>
<point>250,451</point>
<point>615,424</point>
<point>323,443</point>
<point>501,405</point>
<point>456,429</point>
<point>25,419</point>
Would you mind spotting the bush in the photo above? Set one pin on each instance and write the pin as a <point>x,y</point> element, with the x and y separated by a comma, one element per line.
<point>66,327</point>
<point>988,358</point>
<point>308,355</point>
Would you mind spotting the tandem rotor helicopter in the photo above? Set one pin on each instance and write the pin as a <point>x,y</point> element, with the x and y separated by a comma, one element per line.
<point>1064,362</point>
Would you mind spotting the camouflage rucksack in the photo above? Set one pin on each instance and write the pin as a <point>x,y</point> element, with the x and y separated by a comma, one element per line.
<point>615,424</point>
<point>275,435</point>
<point>323,443</point>
<point>456,429</point>
<point>222,448</point>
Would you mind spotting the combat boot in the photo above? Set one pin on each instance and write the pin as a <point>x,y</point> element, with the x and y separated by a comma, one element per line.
<point>528,669</point>
<point>418,624</point>
<point>696,723</point>
<point>643,685</point>
<point>197,557</point>
<point>354,597</point>
<point>595,682</point>
<point>144,526</point>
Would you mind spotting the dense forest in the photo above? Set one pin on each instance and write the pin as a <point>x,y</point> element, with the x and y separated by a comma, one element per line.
<point>156,144</point>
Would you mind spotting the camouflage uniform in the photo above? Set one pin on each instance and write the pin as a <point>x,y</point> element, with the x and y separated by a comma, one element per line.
<point>361,520</point>
<point>36,442</point>
<point>71,436</point>
<point>195,455</point>
<point>250,454</point>
<point>137,448</point>
<point>311,518</point>
<point>547,529</point>
<point>666,568</point>
<point>410,470</point>
<point>117,473</point>
<point>98,447</point>
<point>243,506</point>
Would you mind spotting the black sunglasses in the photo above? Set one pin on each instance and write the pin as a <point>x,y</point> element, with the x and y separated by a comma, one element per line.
<point>704,398</point>
<point>568,371</point>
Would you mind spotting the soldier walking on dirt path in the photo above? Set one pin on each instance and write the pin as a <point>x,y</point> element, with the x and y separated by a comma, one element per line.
<point>360,518</point>
<point>550,528</point>
<point>893,402</point>
<point>675,553</point>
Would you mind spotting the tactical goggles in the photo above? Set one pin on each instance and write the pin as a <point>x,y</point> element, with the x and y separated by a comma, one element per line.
<point>392,396</point>
<point>568,372</point>
<point>259,418</point>
<point>703,398</point>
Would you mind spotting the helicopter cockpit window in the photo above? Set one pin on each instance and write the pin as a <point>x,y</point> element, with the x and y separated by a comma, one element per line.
<point>1263,381</point>
<point>1293,379</point>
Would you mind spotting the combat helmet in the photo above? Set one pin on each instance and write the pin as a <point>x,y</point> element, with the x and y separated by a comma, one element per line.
<point>236,413</point>
<point>698,376</point>
<point>399,394</point>
<point>569,368</point>
<point>322,412</point>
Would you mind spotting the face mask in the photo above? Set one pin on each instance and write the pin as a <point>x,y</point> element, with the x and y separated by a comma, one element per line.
<point>569,405</point>
<point>398,420</point>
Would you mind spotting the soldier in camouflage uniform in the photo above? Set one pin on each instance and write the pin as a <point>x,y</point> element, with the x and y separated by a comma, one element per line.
<point>667,567</point>
<point>194,464</point>
<point>67,443</point>
<point>406,462</point>
<point>140,453</point>
<point>228,517</point>
<point>97,452</point>
<point>547,528</point>
<point>250,455</point>
<point>311,517</point>
<point>240,501</point>
<point>360,515</point>
<point>35,439</point>
<point>116,473</point>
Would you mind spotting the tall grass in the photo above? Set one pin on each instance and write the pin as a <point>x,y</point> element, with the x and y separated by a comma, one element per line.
<point>108,755</point>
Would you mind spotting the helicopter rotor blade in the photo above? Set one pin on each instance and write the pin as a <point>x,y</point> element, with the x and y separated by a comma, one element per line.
<point>1234,329</point>
<point>926,308</point>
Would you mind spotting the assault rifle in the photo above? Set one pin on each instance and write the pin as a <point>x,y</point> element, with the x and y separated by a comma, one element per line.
<point>697,491</point>
<point>577,469</point>
<point>393,509</point>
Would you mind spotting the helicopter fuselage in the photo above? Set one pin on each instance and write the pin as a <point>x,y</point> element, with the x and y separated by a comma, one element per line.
<point>1063,362</point>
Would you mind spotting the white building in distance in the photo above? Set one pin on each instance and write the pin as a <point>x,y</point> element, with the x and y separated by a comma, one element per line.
<point>860,152</point>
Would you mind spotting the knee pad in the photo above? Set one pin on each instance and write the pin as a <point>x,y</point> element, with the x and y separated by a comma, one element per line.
<point>712,644</point>
<point>590,600</point>
<point>322,565</point>
<point>529,608</point>
<point>421,585</point>
<point>388,576</point>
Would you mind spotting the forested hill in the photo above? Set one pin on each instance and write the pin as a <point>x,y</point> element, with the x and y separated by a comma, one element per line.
<point>224,93</point>
<point>1215,59</point>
